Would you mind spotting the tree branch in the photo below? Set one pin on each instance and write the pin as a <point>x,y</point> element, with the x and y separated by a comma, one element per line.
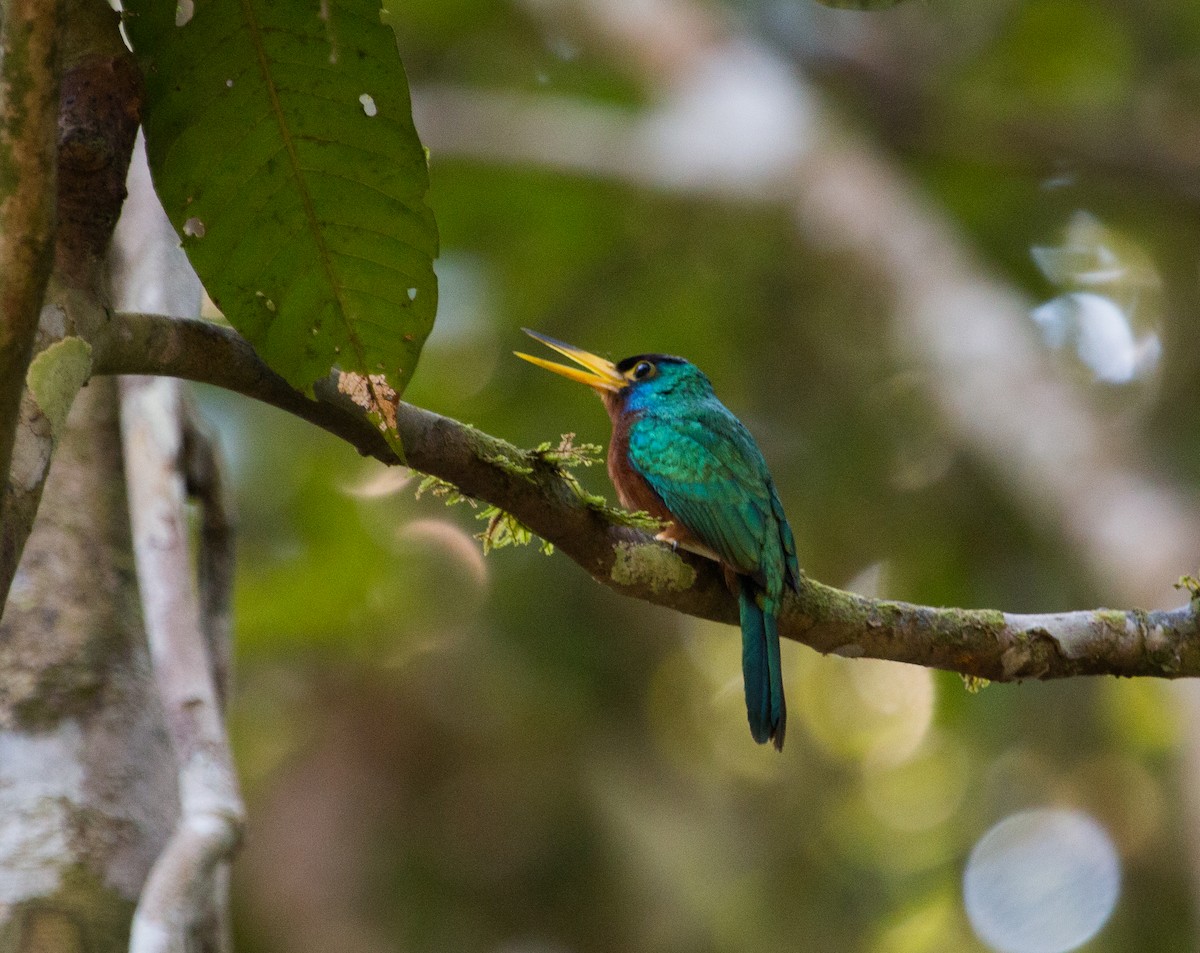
<point>29,79</point>
<point>179,894</point>
<point>185,900</point>
<point>981,643</point>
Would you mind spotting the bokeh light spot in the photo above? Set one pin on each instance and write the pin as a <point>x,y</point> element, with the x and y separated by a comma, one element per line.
<point>1041,881</point>
<point>921,792</point>
<point>1110,309</point>
<point>378,481</point>
<point>698,710</point>
<point>450,540</point>
<point>863,709</point>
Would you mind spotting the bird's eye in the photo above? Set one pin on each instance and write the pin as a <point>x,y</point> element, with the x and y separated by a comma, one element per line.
<point>642,370</point>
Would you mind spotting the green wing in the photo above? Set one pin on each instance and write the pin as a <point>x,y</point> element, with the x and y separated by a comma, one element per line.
<point>712,477</point>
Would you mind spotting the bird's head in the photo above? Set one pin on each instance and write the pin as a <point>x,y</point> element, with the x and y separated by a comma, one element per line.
<point>636,383</point>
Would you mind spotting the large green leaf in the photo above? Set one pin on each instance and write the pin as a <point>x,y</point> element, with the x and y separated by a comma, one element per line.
<point>281,141</point>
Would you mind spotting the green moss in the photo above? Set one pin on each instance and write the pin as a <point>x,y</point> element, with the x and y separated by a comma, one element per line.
<point>55,377</point>
<point>825,603</point>
<point>889,614</point>
<point>68,688</point>
<point>1115,619</point>
<point>959,622</point>
<point>637,520</point>
<point>71,686</point>
<point>1191,584</point>
<point>567,453</point>
<point>504,529</point>
<point>444,490</point>
<point>657,568</point>
<point>507,463</point>
<point>990,619</point>
<point>974,684</point>
<point>82,914</point>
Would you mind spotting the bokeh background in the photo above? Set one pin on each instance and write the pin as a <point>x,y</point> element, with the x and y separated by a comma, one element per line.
<point>447,752</point>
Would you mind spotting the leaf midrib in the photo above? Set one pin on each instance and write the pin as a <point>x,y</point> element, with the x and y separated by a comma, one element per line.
<point>298,176</point>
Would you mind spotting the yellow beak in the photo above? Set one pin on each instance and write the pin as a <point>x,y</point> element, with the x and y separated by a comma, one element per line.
<point>600,375</point>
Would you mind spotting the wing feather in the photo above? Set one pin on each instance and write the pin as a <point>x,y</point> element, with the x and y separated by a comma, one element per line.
<point>712,477</point>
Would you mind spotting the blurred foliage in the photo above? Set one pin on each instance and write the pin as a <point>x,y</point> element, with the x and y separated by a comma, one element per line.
<point>860,4</point>
<point>443,752</point>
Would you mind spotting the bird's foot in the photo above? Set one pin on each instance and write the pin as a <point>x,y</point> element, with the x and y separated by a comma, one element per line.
<point>663,537</point>
<point>691,545</point>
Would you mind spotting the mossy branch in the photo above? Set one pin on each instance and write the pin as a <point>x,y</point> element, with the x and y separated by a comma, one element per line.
<point>536,490</point>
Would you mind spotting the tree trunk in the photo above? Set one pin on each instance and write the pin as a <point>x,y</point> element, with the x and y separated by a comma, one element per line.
<point>87,776</point>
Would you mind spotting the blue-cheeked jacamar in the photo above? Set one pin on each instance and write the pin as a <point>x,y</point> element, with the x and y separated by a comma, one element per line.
<point>680,455</point>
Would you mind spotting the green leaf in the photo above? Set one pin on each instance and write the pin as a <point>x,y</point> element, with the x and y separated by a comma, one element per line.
<point>281,141</point>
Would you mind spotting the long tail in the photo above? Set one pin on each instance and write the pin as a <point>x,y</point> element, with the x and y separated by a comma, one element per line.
<point>761,669</point>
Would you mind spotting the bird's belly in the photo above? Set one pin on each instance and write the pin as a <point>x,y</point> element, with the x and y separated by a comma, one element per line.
<point>637,495</point>
<point>632,489</point>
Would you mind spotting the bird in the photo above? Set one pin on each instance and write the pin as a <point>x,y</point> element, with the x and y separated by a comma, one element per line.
<point>681,455</point>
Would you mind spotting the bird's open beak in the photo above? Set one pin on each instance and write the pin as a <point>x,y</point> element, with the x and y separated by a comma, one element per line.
<point>600,375</point>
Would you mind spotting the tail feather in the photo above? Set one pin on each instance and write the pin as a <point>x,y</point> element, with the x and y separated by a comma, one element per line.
<point>761,669</point>
<point>775,673</point>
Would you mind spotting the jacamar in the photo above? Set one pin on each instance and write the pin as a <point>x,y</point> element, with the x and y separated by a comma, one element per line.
<point>679,454</point>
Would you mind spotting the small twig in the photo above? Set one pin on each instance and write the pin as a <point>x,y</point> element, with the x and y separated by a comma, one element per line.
<point>179,897</point>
